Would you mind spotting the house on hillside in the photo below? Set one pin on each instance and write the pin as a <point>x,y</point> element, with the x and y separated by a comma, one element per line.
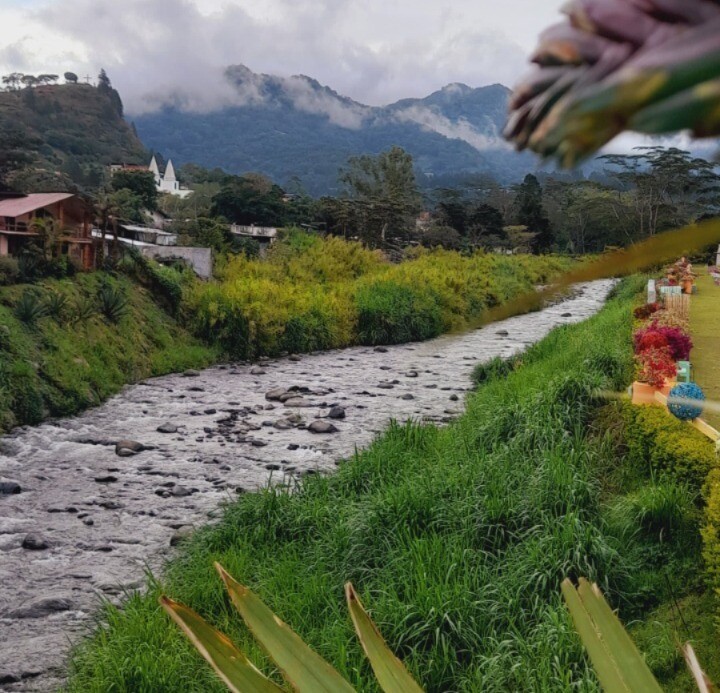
<point>73,219</point>
<point>264,235</point>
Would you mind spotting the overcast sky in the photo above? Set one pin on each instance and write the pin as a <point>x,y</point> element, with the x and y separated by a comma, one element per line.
<point>375,51</point>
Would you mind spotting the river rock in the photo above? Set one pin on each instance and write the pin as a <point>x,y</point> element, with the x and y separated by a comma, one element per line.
<point>257,370</point>
<point>336,413</point>
<point>191,373</point>
<point>127,448</point>
<point>9,488</point>
<point>411,374</point>
<point>106,479</point>
<point>167,428</point>
<point>35,542</point>
<point>297,402</point>
<point>42,607</point>
<point>566,315</point>
<point>381,349</point>
<point>502,333</point>
<point>275,394</point>
<point>181,534</point>
<point>322,427</point>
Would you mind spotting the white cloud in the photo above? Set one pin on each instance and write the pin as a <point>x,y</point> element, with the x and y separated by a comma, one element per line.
<point>176,50</point>
<point>460,129</point>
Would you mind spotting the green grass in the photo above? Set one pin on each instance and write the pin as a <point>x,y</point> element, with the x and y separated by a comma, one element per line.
<point>705,331</point>
<point>457,540</point>
<point>71,356</point>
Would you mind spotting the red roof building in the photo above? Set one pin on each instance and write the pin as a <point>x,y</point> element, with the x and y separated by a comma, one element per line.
<point>20,214</point>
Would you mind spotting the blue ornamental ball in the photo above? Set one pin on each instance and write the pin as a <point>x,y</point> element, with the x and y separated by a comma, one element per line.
<point>687,412</point>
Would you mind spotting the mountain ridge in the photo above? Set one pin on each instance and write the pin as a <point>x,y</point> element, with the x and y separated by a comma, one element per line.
<point>297,128</point>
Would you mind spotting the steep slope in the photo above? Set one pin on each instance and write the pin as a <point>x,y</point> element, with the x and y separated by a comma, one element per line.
<point>68,133</point>
<point>296,127</point>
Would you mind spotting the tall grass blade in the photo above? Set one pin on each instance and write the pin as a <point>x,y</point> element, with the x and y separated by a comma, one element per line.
<point>231,665</point>
<point>303,668</point>
<point>703,682</point>
<point>603,663</point>
<point>390,672</point>
<point>617,662</point>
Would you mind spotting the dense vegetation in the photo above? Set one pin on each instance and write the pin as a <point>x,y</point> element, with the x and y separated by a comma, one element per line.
<point>61,137</point>
<point>457,538</point>
<point>313,293</point>
<point>68,344</point>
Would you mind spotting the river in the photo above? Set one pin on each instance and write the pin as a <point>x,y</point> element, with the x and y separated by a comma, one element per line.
<point>87,522</point>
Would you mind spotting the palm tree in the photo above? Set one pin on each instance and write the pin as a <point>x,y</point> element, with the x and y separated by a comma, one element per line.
<point>50,235</point>
<point>652,66</point>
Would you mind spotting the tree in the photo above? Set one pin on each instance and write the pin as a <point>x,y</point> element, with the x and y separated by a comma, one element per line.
<point>15,145</point>
<point>104,84</point>
<point>140,183</point>
<point>29,81</point>
<point>531,213</point>
<point>70,78</point>
<point>105,87</point>
<point>47,79</point>
<point>385,194</point>
<point>250,199</point>
<point>485,224</point>
<point>668,187</point>
<point>13,80</point>
<point>111,208</point>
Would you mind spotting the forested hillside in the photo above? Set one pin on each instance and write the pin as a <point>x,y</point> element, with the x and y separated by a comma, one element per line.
<point>57,137</point>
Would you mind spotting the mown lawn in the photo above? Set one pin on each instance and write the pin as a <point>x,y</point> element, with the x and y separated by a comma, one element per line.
<point>457,540</point>
<point>705,330</point>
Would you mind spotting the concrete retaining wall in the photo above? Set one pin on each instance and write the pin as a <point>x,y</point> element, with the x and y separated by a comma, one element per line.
<point>199,258</point>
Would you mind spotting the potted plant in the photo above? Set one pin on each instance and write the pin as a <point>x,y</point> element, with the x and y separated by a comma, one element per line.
<point>688,280</point>
<point>656,372</point>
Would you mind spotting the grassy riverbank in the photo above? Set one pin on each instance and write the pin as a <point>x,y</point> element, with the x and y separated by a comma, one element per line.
<point>62,348</point>
<point>313,293</point>
<point>456,538</point>
<point>60,353</point>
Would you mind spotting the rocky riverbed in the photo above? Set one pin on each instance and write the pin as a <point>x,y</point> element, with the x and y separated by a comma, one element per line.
<point>87,503</point>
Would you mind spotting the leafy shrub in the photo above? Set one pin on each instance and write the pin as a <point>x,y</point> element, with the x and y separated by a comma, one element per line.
<point>644,312</point>
<point>30,308</point>
<point>389,313</point>
<point>658,441</point>
<point>711,528</point>
<point>308,332</point>
<point>655,366</point>
<point>56,304</point>
<point>113,302</point>
<point>83,309</point>
<point>661,509</point>
<point>656,337</point>
<point>312,289</point>
<point>9,271</point>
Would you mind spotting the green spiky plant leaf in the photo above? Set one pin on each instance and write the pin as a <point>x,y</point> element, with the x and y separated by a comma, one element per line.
<point>303,668</point>
<point>617,661</point>
<point>391,673</point>
<point>231,665</point>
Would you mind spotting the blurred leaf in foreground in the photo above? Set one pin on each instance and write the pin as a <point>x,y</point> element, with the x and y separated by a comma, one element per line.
<point>652,66</point>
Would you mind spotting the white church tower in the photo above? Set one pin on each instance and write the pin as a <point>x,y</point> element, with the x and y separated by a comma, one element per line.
<point>167,182</point>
